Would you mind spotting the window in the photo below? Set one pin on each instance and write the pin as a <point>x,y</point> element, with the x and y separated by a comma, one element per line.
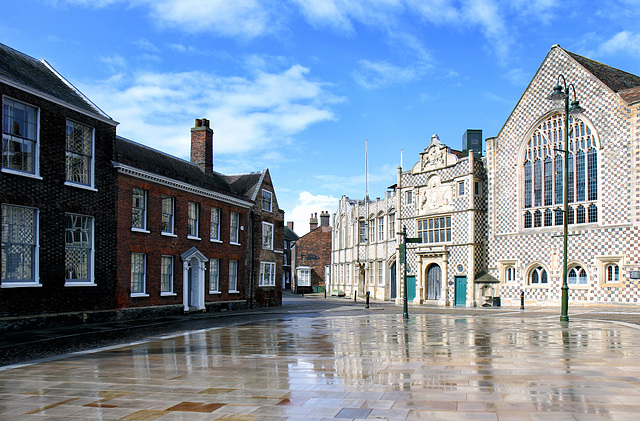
<point>215,224</point>
<point>435,230</point>
<point>363,232</point>
<point>167,214</point>
<point>372,273</point>
<point>19,252</point>
<point>510,273</point>
<point>192,219</point>
<point>267,236</point>
<point>19,137</point>
<point>612,273</point>
<point>267,200</point>
<point>235,227</point>
<point>543,172</point>
<point>138,274</point>
<point>78,249</point>
<point>577,276</point>
<point>304,277</point>
<point>380,273</point>
<point>79,154</point>
<point>460,188</point>
<point>372,230</point>
<point>233,276</point>
<point>409,197</point>
<point>538,276</point>
<point>268,274</point>
<point>476,188</point>
<point>381,229</point>
<point>214,275</point>
<point>166,275</point>
<point>392,226</point>
<point>139,209</point>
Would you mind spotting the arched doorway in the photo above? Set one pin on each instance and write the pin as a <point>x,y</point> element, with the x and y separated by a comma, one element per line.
<point>434,282</point>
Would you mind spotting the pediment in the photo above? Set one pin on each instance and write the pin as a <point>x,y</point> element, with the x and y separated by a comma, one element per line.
<point>435,156</point>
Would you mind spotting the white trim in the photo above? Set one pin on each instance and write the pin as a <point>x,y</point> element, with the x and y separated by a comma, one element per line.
<point>80,186</point>
<point>165,181</point>
<point>21,173</point>
<point>139,294</point>
<point>20,285</point>
<point>80,284</point>
<point>165,234</point>
<point>143,231</point>
<point>190,237</point>
<point>168,294</point>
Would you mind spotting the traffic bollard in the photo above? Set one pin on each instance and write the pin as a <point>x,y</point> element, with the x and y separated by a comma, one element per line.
<point>367,301</point>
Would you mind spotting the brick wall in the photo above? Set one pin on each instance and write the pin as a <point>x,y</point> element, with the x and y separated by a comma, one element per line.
<point>314,250</point>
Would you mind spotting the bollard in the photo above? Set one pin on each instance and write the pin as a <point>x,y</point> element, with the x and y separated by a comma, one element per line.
<point>302,291</point>
<point>367,300</point>
<point>355,296</point>
<point>521,300</point>
<point>325,292</point>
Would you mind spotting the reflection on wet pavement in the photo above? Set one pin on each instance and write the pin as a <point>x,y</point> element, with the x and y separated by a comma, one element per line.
<point>365,367</point>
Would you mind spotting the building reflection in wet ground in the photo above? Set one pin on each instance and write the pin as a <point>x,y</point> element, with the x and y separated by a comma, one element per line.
<point>374,366</point>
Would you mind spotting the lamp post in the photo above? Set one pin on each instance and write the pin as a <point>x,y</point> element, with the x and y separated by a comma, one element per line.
<point>561,94</point>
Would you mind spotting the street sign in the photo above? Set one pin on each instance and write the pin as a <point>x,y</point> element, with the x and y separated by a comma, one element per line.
<point>413,240</point>
<point>401,253</point>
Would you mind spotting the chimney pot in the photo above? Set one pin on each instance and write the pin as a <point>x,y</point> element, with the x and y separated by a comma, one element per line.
<point>202,145</point>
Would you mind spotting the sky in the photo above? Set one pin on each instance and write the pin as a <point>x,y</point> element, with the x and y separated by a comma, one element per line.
<point>300,86</point>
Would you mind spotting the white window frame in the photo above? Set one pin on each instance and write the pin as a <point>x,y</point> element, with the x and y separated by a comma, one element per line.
<point>409,197</point>
<point>35,249</point>
<point>142,209</point>
<point>267,197</point>
<point>170,228</point>
<point>193,220</point>
<point>36,142</point>
<point>391,225</point>
<point>372,230</point>
<point>381,228</point>
<point>70,153</point>
<point>234,228</point>
<point>539,269</point>
<point>216,218</point>
<point>90,280</point>
<point>267,236</point>
<point>362,231</point>
<point>429,230</point>
<point>166,277</point>
<point>233,276</point>
<point>214,276</point>
<point>303,275</point>
<point>136,265</point>
<point>380,273</point>
<point>460,188</point>
<point>579,281</point>
<point>603,262</point>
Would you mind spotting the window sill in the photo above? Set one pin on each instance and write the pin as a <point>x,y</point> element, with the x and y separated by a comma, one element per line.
<point>140,230</point>
<point>611,284</point>
<point>233,291</point>
<point>80,186</point>
<point>168,294</point>
<point>21,173</point>
<point>139,294</point>
<point>215,241</point>
<point>537,286</point>
<point>234,244</point>
<point>215,292</point>
<point>191,237</point>
<point>168,234</point>
<point>20,285</point>
<point>273,286</point>
<point>68,283</point>
<point>578,287</point>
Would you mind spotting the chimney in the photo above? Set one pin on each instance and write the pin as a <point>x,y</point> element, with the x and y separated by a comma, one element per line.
<point>313,222</point>
<point>290,225</point>
<point>202,145</point>
<point>324,219</point>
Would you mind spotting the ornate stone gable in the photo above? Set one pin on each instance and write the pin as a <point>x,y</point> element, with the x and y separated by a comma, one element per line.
<point>434,157</point>
<point>435,197</point>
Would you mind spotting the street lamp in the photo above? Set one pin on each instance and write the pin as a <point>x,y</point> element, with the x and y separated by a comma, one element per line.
<point>561,94</point>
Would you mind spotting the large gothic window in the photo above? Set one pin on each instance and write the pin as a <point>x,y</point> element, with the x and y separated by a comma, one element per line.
<point>543,174</point>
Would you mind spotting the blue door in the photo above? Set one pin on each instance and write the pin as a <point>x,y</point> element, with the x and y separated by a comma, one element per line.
<point>460,291</point>
<point>411,287</point>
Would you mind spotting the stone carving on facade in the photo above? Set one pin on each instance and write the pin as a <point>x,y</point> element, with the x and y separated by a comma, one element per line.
<point>435,196</point>
<point>435,156</point>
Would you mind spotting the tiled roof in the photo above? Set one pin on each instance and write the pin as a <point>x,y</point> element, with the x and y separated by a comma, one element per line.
<point>289,234</point>
<point>617,80</point>
<point>151,160</point>
<point>245,184</point>
<point>38,75</point>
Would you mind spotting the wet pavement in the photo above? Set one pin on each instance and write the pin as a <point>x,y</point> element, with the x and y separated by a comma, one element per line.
<point>341,361</point>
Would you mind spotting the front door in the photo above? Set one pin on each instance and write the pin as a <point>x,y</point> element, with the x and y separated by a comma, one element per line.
<point>411,287</point>
<point>393,286</point>
<point>194,283</point>
<point>460,291</point>
<point>434,282</point>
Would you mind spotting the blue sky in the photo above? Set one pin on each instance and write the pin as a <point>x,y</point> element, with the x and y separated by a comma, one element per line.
<point>297,86</point>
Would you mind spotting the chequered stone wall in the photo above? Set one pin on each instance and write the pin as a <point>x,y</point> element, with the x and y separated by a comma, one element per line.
<point>615,234</point>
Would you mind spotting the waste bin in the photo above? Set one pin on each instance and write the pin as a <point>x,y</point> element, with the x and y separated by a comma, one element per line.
<point>496,301</point>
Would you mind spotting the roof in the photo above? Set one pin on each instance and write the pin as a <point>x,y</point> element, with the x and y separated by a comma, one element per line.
<point>289,234</point>
<point>245,184</point>
<point>28,72</point>
<point>617,80</point>
<point>151,160</point>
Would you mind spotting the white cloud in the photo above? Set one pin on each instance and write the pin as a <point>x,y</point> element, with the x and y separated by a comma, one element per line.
<point>248,114</point>
<point>374,75</point>
<point>115,62</point>
<point>146,45</point>
<point>624,41</point>
<point>306,204</point>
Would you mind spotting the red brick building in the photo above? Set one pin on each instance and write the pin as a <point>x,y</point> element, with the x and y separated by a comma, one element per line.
<point>313,256</point>
<point>191,239</point>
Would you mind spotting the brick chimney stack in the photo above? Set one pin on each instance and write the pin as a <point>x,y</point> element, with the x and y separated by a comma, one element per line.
<point>313,222</point>
<point>202,145</point>
<point>324,219</point>
<point>290,225</point>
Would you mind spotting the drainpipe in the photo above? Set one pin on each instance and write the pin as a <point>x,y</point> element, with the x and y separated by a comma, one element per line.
<point>251,262</point>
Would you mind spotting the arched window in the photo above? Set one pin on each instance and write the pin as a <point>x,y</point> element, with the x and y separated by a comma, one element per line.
<point>612,273</point>
<point>510,273</point>
<point>543,165</point>
<point>577,276</point>
<point>538,276</point>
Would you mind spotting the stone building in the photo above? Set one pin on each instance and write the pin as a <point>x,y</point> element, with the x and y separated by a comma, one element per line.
<point>525,176</point>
